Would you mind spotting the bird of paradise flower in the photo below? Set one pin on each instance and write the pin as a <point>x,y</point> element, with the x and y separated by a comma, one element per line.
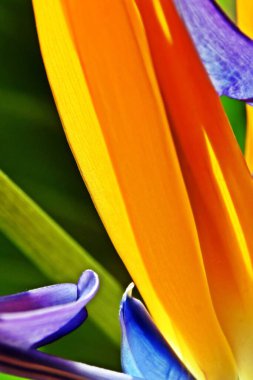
<point>163,168</point>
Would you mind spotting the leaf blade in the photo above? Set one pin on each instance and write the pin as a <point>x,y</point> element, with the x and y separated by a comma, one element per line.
<point>55,253</point>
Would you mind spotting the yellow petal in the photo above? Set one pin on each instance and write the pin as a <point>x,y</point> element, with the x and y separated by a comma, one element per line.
<point>218,182</point>
<point>245,23</point>
<point>244,13</point>
<point>114,119</point>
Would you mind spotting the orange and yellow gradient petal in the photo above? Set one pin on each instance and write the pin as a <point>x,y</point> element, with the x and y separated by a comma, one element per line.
<point>217,179</point>
<point>99,67</point>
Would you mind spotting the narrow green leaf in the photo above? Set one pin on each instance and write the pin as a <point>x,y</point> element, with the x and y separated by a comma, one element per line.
<point>236,113</point>
<point>55,253</point>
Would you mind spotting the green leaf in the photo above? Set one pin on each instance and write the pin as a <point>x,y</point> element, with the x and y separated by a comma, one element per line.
<point>229,7</point>
<point>236,113</point>
<point>7,377</point>
<point>57,255</point>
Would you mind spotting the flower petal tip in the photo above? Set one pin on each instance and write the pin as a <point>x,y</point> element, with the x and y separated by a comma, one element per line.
<point>88,285</point>
<point>225,51</point>
<point>127,294</point>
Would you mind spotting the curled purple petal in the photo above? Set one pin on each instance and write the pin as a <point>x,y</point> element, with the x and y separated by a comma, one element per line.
<point>39,298</point>
<point>225,51</point>
<point>36,317</point>
<point>37,365</point>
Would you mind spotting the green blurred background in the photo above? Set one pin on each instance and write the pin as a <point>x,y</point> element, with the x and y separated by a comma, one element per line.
<point>35,155</point>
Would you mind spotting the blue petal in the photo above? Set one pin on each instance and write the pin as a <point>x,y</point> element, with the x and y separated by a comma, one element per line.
<point>144,352</point>
<point>37,365</point>
<point>225,51</point>
<point>39,316</point>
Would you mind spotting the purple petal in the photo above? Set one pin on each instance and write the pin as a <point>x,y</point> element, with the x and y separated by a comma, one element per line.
<point>37,317</point>
<point>144,352</point>
<point>39,298</point>
<point>225,51</point>
<point>37,365</point>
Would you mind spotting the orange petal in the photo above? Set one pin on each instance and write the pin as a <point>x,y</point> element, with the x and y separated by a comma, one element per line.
<point>218,181</point>
<point>115,122</point>
<point>245,22</point>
